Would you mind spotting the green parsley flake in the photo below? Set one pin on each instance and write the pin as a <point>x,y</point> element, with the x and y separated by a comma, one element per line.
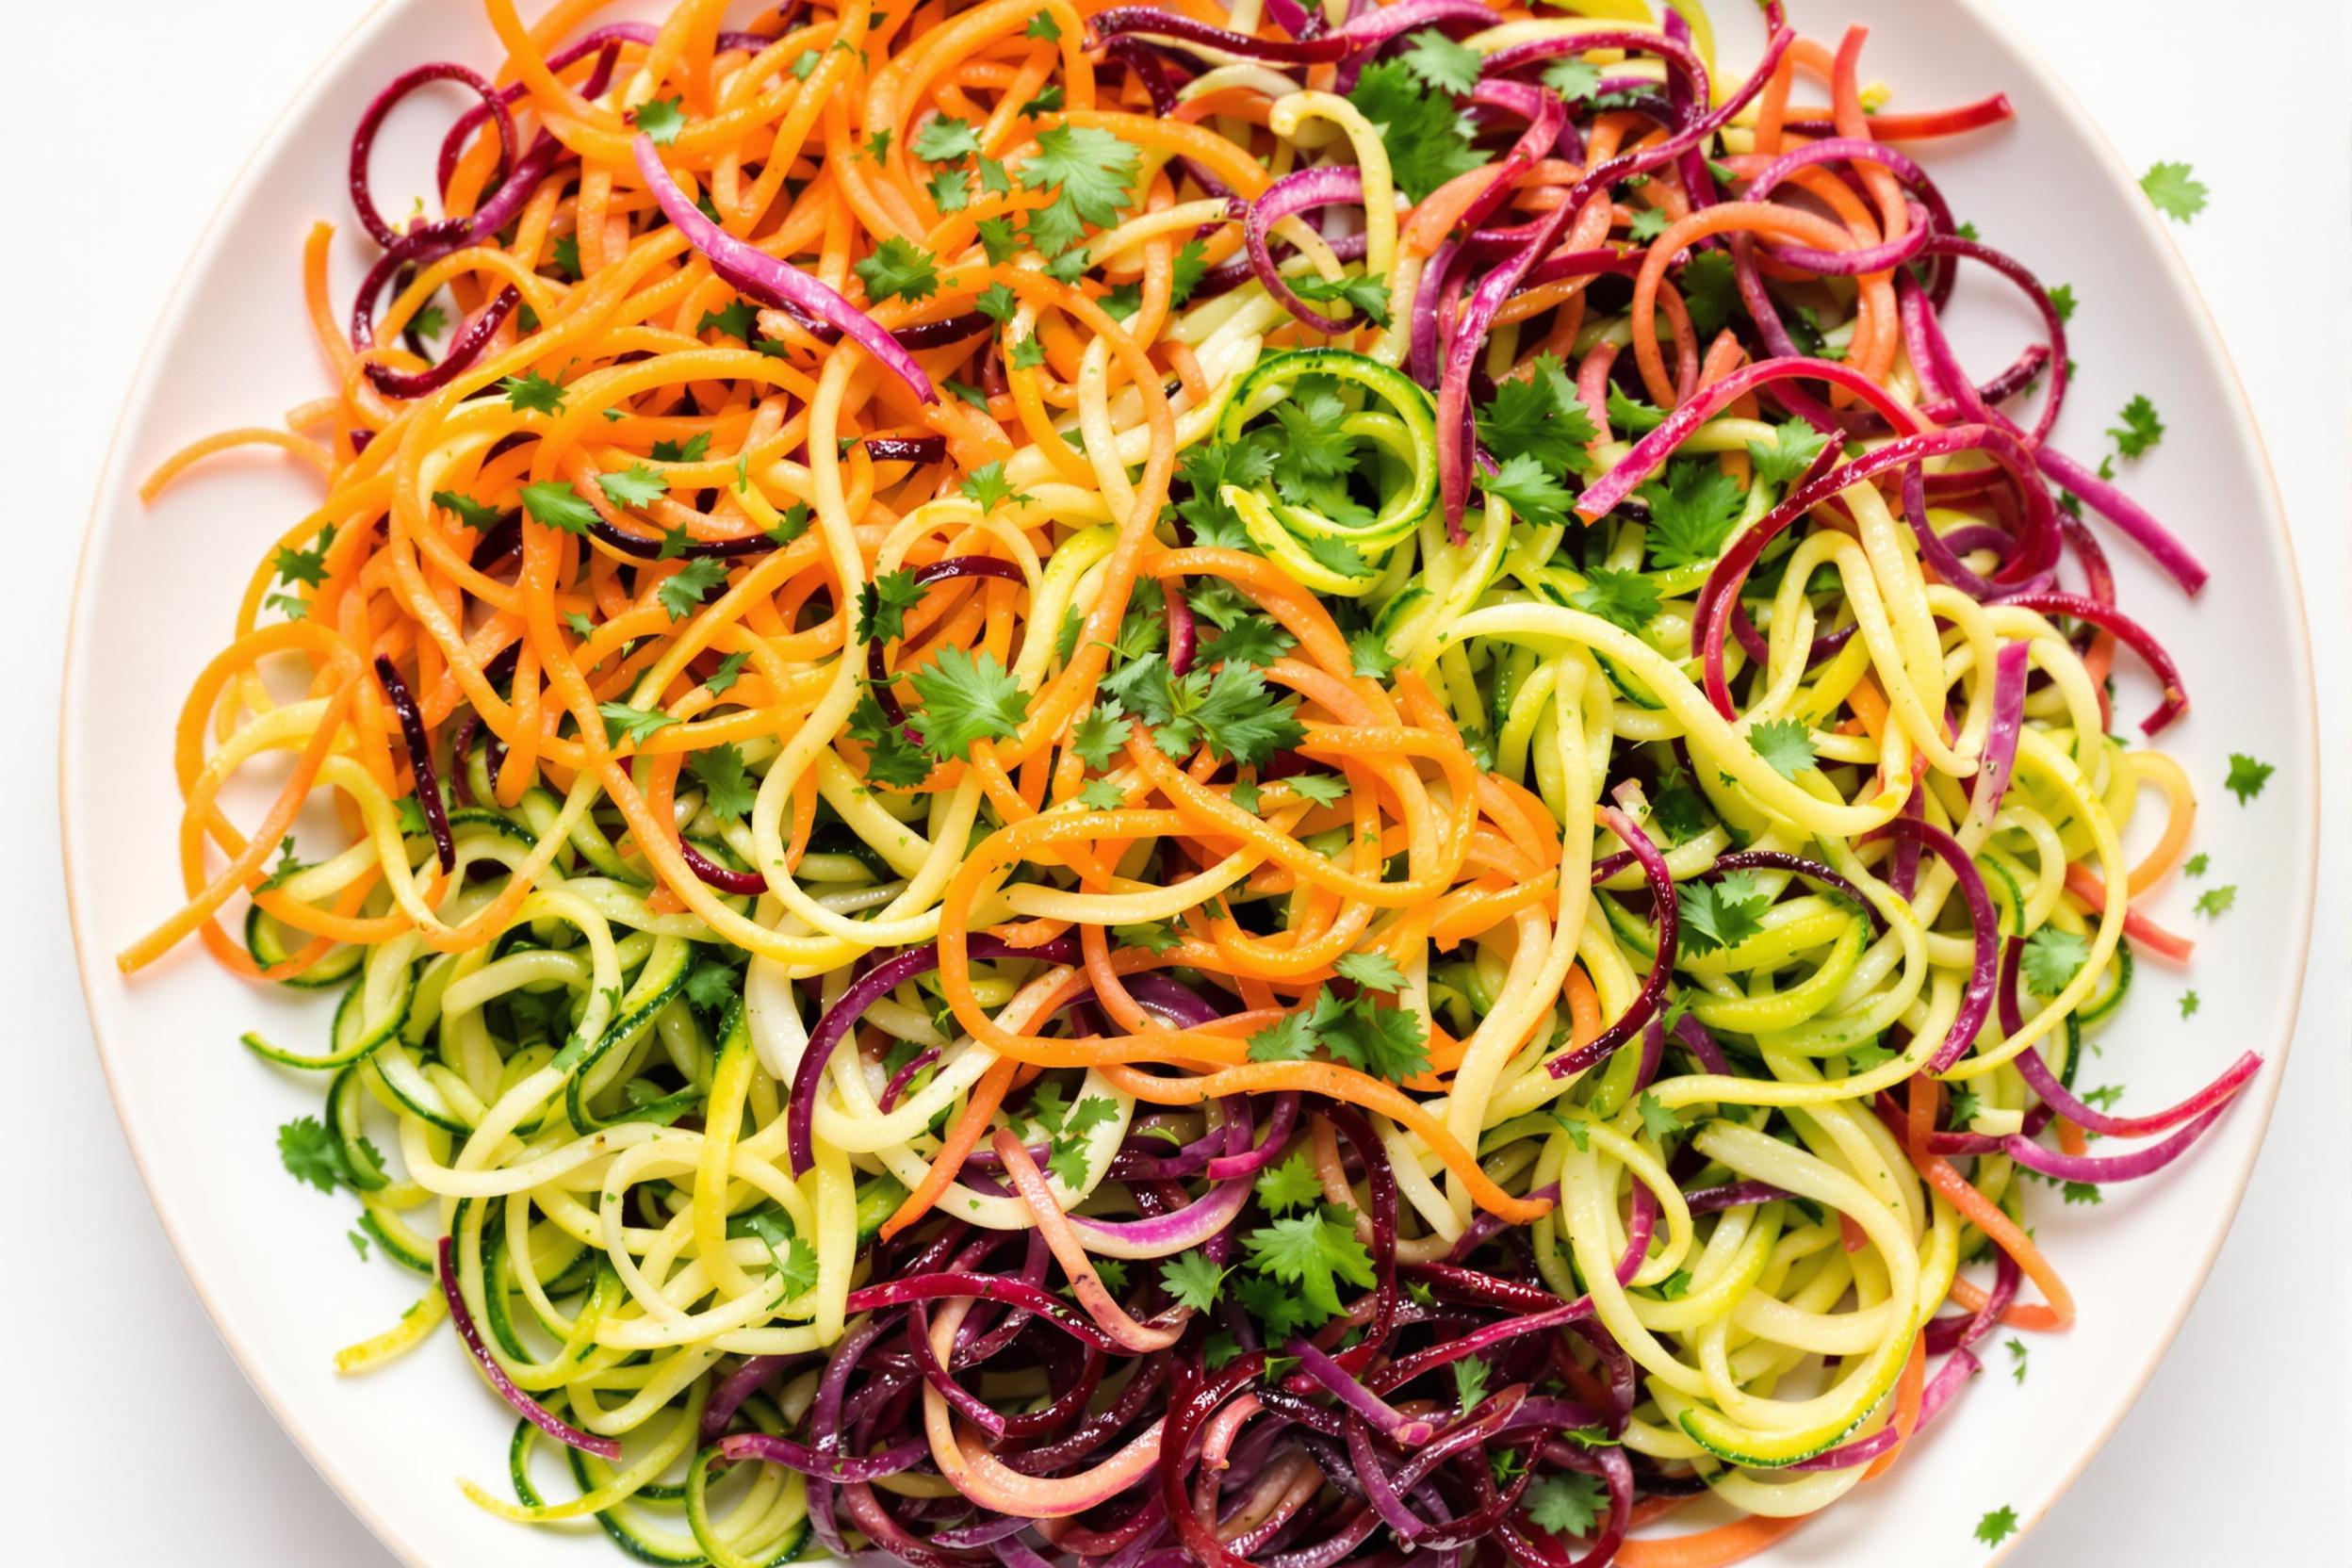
<point>2246,778</point>
<point>2175,190</point>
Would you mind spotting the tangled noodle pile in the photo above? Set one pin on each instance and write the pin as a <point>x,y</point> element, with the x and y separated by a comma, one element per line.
<point>1130,785</point>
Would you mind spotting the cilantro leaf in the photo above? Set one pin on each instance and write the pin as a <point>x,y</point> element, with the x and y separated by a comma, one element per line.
<point>1785,744</point>
<point>1710,291</point>
<point>1997,1526</point>
<point>310,566</point>
<point>635,724</point>
<point>1208,468</point>
<point>693,450</point>
<point>1314,1251</point>
<point>1185,271</point>
<point>726,790</point>
<point>1336,555</point>
<point>1470,1375</point>
<point>2051,959</point>
<point>1101,794</point>
<point>998,240</point>
<point>532,393</point>
<point>1625,599</point>
<point>1240,719</point>
<point>1373,970</point>
<point>556,504</point>
<point>2062,300</point>
<point>2246,778</point>
<point>1691,513</point>
<point>712,984</point>
<point>310,1154</point>
<point>1656,1120</point>
<point>2175,190</point>
<point>997,302</point>
<point>1042,26</point>
<point>985,486</point>
<point>661,118</point>
<point>1443,64</point>
<point>730,670</point>
<point>1386,1042</point>
<point>1153,936</point>
<point>942,140</point>
<point>2141,429</point>
<point>2189,1003</point>
<point>473,514</point>
<point>1322,788</point>
<point>1369,656</point>
<point>1722,913</point>
<point>1282,1313</point>
<point>1532,493</point>
<point>1092,170</point>
<point>1192,1280</point>
<point>1367,296</point>
<point>792,524</point>
<point>1631,417</point>
<point>966,701</point>
<point>683,590</point>
<point>1791,451</point>
<point>882,605</point>
<point>2017,1354</point>
<point>1572,77</point>
<point>1100,733</point>
<point>1540,417</point>
<point>2216,902</point>
<point>1679,808</point>
<point>738,320</point>
<point>1067,1154</point>
<point>635,485</point>
<point>1260,639</point>
<point>2194,865</point>
<point>1423,131</point>
<point>898,268</point>
<point>1288,1039</point>
<point>1291,1185</point>
<point>1567,1503</point>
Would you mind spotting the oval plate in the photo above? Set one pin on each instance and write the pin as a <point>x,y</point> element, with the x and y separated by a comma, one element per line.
<point>267,1256</point>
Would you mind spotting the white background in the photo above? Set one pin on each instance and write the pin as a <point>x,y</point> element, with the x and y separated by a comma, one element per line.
<point>139,1437</point>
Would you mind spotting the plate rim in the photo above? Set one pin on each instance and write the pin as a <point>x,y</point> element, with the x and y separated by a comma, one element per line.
<point>91,964</point>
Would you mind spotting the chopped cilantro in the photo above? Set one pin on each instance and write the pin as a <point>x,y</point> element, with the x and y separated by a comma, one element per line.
<point>2141,429</point>
<point>556,504</point>
<point>2052,958</point>
<point>1722,913</point>
<point>635,724</point>
<point>898,268</point>
<point>966,701</point>
<point>726,790</point>
<point>1192,1280</point>
<point>1785,744</point>
<point>2175,190</point>
<point>532,393</point>
<point>1692,511</point>
<point>685,589</point>
<point>2246,778</point>
<point>1423,131</point>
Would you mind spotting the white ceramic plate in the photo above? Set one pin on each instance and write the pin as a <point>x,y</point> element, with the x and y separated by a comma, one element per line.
<point>267,1255</point>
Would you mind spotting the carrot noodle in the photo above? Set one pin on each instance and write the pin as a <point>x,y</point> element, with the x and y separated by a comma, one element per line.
<point>1142,726</point>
